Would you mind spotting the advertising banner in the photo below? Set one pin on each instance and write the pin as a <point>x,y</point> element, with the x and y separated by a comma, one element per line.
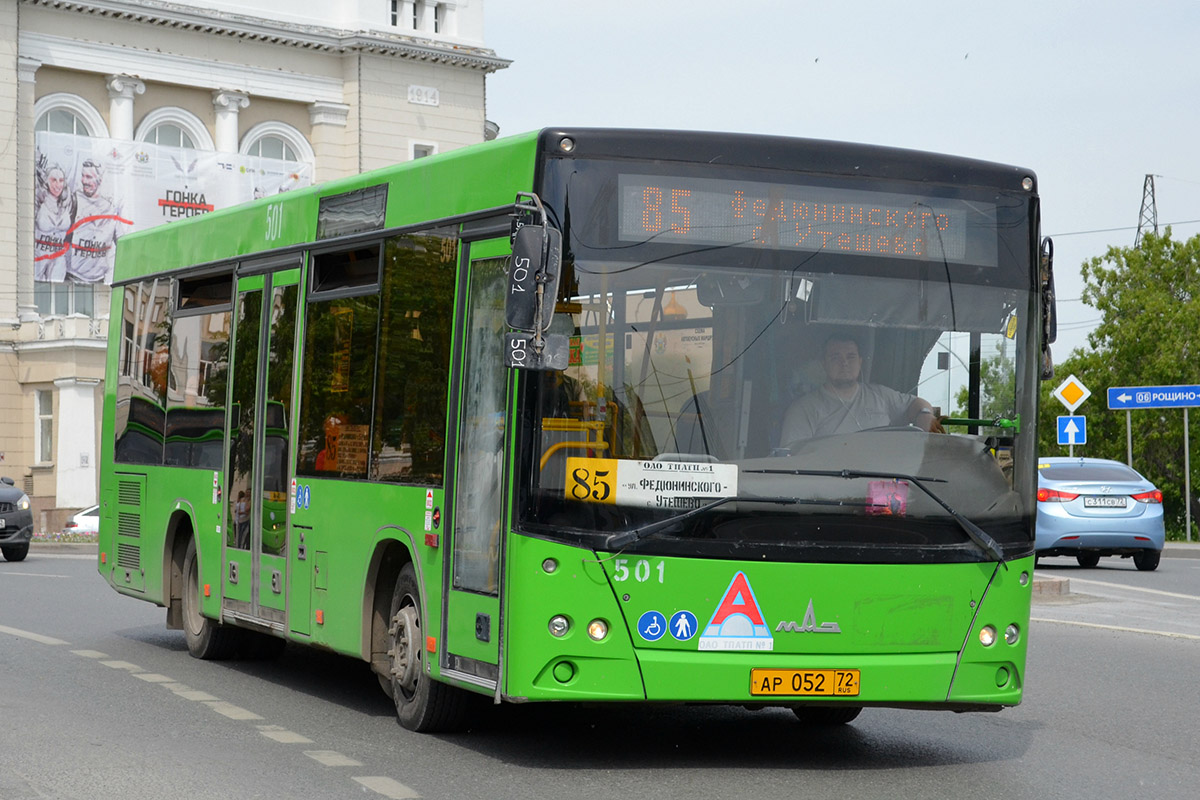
<point>88,192</point>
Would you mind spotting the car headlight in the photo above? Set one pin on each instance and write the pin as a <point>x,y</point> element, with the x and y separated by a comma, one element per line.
<point>23,503</point>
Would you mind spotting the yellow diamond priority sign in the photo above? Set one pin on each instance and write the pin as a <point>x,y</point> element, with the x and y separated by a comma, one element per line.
<point>1071,393</point>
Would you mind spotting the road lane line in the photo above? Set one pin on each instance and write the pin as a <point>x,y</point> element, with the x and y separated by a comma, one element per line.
<point>332,758</point>
<point>36,637</point>
<point>230,710</point>
<point>387,787</point>
<point>37,574</point>
<point>90,653</point>
<point>282,734</point>
<point>1119,628</point>
<point>125,665</point>
<point>1135,588</point>
<point>153,677</point>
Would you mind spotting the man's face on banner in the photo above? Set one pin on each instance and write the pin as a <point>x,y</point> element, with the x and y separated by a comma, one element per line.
<point>90,178</point>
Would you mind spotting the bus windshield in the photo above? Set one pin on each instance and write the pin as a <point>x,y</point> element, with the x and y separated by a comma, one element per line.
<point>840,405</point>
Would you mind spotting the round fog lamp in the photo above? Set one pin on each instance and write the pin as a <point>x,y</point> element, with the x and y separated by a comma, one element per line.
<point>987,636</point>
<point>559,625</point>
<point>549,565</point>
<point>1012,633</point>
<point>598,629</point>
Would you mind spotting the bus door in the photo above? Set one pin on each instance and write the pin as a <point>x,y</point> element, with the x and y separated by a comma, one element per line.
<point>262,369</point>
<point>471,620</point>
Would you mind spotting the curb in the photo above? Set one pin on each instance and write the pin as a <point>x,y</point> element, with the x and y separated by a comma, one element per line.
<point>1045,586</point>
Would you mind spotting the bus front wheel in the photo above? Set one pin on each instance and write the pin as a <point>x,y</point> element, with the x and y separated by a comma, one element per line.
<point>422,704</point>
<point>206,638</point>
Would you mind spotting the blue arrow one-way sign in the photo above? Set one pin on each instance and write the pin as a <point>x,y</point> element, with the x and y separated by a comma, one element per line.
<point>1122,398</point>
<point>1072,430</point>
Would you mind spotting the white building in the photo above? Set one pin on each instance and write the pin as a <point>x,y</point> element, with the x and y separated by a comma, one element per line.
<point>340,85</point>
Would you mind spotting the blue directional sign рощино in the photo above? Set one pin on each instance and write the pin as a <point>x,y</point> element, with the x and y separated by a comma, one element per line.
<point>1121,398</point>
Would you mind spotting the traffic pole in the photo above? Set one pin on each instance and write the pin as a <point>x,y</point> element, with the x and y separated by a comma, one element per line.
<point>1129,438</point>
<point>1187,477</point>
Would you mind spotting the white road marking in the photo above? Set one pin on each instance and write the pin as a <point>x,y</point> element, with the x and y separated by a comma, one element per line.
<point>230,710</point>
<point>64,556</point>
<point>36,637</point>
<point>90,653</point>
<point>332,758</point>
<point>194,695</point>
<point>1119,628</point>
<point>387,787</point>
<point>281,734</point>
<point>125,665</point>
<point>1135,588</point>
<point>36,575</point>
<point>153,677</point>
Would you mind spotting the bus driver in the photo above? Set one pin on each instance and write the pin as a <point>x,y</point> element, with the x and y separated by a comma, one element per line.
<point>844,404</point>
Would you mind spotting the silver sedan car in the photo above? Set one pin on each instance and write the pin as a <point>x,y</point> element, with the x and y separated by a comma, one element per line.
<point>1093,507</point>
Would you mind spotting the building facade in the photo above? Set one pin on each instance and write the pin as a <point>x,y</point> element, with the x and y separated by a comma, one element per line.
<point>339,87</point>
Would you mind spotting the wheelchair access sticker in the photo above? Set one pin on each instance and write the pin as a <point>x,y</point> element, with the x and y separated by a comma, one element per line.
<point>651,626</point>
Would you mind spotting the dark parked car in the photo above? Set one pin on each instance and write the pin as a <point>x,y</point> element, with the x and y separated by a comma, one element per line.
<point>16,521</point>
<point>1093,507</point>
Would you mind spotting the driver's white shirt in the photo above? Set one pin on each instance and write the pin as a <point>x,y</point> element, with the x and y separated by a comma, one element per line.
<point>823,413</point>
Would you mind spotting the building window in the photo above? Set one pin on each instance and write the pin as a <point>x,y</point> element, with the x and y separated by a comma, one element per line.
<point>171,135</point>
<point>395,13</point>
<point>439,11</point>
<point>423,150</point>
<point>45,426</point>
<point>60,120</point>
<point>62,299</point>
<point>273,147</point>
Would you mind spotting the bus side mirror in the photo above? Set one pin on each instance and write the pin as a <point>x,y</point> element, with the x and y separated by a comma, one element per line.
<point>533,278</point>
<point>1049,310</point>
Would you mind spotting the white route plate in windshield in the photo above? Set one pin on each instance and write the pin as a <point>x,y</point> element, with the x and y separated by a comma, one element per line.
<point>676,485</point>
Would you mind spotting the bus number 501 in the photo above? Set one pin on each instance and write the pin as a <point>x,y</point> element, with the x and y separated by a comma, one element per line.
<point>641,570</point>
<point>274,221</point>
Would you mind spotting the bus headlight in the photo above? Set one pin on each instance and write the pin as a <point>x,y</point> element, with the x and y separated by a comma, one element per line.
<point>559,625</point>
<point>598,629</point>
<point>987,636</point>
<point>1012,633</point>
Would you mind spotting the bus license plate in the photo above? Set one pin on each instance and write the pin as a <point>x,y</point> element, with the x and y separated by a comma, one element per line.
<point>804,682</point>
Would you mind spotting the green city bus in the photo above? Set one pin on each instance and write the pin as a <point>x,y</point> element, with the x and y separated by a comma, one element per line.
<point>509,422</point>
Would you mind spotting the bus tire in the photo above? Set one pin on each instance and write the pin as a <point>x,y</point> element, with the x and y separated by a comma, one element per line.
<point>16,552</point>
<point>422,704</point>
<point>206,638</point>
<point>826,715</point>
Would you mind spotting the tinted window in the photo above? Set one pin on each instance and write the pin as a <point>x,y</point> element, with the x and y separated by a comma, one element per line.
<point>339,369</point>
<point>414,358</point>
<point>142,373</point>
<point>196,384</point>
<point>1089,472</point>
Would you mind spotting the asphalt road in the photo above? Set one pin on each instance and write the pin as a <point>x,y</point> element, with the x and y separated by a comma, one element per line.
<point>98,700</point>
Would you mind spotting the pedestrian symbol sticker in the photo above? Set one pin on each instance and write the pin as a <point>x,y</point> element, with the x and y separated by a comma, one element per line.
<point>652,625</point>
<point>683,625</point>
<point>737,624</point>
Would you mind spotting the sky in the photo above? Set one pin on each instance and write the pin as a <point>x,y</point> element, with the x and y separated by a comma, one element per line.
<point>1090,96</point>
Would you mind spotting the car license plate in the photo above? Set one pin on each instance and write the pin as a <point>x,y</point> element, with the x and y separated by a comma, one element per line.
<point>1104,502</point>
<point>804,682</point>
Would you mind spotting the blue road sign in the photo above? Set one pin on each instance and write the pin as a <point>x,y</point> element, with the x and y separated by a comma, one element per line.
<point>1072,430</point>
<point>1123,398</point>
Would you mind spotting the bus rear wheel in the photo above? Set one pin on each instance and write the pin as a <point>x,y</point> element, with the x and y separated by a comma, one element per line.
<point>826,715</point>
<point>422,704</point>
<point>206,638</point>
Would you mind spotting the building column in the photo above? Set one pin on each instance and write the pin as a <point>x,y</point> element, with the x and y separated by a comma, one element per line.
<point>328,139</point>
<point>121,91</point>
<point>26,310</point>
<point>406,15</point>
<point>75,455</point>
<point>228,104</point>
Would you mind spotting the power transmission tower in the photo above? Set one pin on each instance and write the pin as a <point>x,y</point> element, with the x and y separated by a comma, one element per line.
<point>1148,219</point>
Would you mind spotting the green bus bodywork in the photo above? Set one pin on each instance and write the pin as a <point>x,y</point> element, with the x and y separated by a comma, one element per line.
<point>543,604</point>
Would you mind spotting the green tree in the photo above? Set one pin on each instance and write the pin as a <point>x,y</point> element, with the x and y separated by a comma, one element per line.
<point>1147,299</point>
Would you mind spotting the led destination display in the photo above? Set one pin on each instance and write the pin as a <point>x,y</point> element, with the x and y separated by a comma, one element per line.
<point>708,211</point>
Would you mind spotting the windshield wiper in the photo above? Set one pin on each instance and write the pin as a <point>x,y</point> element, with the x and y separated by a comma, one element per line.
<point>617,541</point>
<point>975,533</point>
